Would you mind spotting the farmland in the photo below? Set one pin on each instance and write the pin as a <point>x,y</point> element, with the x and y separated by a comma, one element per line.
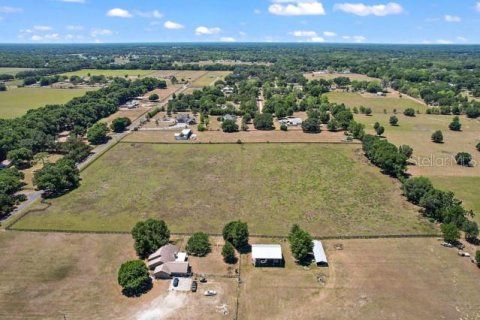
<point>329,189</point>
<point>368,279</point>
<point>330,76</point>
<point>17,101</point>
<point>12,71</point>
<point>377,104</point>
<point>110,73</point>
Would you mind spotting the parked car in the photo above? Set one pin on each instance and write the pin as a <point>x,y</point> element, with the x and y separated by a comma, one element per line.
<point>194,286</point>
<point>463,254</point>
<point>447,244</point>
<point>210,293</point>
<point>175,282</point>
<point>460,246</point>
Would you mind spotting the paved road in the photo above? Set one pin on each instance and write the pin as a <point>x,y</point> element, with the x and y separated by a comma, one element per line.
<point>114,139</point>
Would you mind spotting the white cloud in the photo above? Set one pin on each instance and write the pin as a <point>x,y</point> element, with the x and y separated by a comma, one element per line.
<point>1,18</point>
<point>73,1</point>
<point>205,30</point>
<point>361,9</point>
<point>463,39</point>
<point>120,13</point>
<point>227,39</point>
<point>36,38</point>
<point>257,11</point>
<point>172,25</point>
<point>243,34</point>
<point>100,32</point>
<point>150,14</point>
<point>477,6</point>
<point>301,33</point>
<point>443,41</point>
<point>356,39</point>
<point>317,39</point>
<point>47,37</point>
<point>449,18</point>
<point>296,8</point>
<point>42,28</point>
<point>329,34</point>
<point>6,9</point>
<point>75,28</point>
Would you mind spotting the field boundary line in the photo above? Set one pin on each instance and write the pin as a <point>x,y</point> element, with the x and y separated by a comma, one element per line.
<point>244,142</point>
<point>276,237</point>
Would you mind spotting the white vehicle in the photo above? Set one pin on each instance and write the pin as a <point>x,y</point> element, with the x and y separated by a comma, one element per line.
<point>447,244</point>
<point>209,293</point>
<point>463,254</point>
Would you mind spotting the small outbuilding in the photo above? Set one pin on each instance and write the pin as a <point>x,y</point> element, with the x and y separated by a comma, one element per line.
<point>319,254</point>
<point>184,135</point>
<point>267,255</point>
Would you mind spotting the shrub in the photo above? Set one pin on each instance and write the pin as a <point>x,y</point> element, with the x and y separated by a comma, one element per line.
<point>450,232</point>
<point>263,121</point>
<point>228,253</point>
<point>409,112</point>
<point>120,124</point>
<point>406,150</point>
<point>201,127</point>
<point>311,125</point>
<point>133,277</point>
<point>380,130</point>
<point>229,126</point>
<point>153,97</point>
<point>376,125</point>
<point>149,236</point>
<point>455,125</point>
<point>471,230</point>
<point>463,158</point>
<point>368,111</point>
<point>393,120</point>
<point>198,244</point>
<point>236,232</point>
<point>332,125</point>
<point>283,127</point>
<point>437,136</point>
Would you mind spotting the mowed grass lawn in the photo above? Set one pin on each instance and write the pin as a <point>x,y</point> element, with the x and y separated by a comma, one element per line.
<point>12,71</point>
<point>110,73</point>
<point>377,104</point>
<point>327,189</point>
<point>17,101</point>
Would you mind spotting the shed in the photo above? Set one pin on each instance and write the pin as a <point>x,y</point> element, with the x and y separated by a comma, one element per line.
<point>184,135</point>
<point>264,255</point>
<point>319,253</point>
<point>5,164</point>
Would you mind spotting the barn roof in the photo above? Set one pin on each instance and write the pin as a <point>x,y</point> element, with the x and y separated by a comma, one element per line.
<point>318,252</point>
<point>266,251</point>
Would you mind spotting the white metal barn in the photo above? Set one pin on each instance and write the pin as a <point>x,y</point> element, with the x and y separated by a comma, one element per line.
<point>319,253</point>
<point>264,255</point>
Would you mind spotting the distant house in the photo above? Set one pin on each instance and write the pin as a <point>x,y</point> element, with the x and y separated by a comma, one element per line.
<point>63,136</point>
<point>381,94</point>
<point>167,253</point>
<point>185,118</point>
<point>291,121</point>
<point>5,164</point>
<point>230,117</point>
<point>267,255</point>
<point>172,269</point>
<point>184,135</point>
<point>227,90</point>
<point>132,104</point>
<point>319,254</point>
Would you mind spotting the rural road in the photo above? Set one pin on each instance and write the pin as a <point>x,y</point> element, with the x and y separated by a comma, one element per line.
<point>98,151</point>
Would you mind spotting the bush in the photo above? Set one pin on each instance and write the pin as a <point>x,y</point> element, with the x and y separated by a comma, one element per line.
<point>311,125</point>
<point>133,277</point>
<point>415,188</point>
<point>409,112</point>
<point>450,232</point>
<point>406,150</point>
<point>471,230</point>
<point>300,243</point>
<point>283,127</point>
<point>198,244</point>
<point>455,125</point>
<point>236,232</point>
<point>229,126</point>
<point>97,134</point>
<point>149,236</point>
<point>332,125</point>
<point>201,127</point>
<point>263,121</point>
<point>380,130</point>
<point>153,97</point>
<point>228,253</point>
<point>368,111</point>
<point>437,136</point>
<point>120,124</point>
<point>376,125</point>
<point>393,120</point>
<point>477,258</point>
<point>463,159</point>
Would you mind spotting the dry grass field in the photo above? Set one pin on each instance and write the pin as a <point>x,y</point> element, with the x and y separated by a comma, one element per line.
<point>209,78</point>
<point>17,101</point>
<point>329,189</point>
<point>110,73</point>
<point>12,71</point>
<point>377,104</point>
<point>330,76</point>
<point>368,279</point>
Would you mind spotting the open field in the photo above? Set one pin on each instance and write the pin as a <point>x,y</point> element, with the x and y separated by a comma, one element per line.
<point>432,159</point>
<point>12,71</point>
<point>328,189</point>
<point>209,78</point>
<point>224,62</point>
<point>110,73</point>
<point>330,76</point>
<point>368,279</point>
<point>465,189</point>
<point>17,101</point>
<point>377,104</point>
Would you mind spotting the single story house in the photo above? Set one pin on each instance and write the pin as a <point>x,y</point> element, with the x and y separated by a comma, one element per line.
<point>184,135</point>
<point>319,254</point>
<point>131,104</point>
<point>167,253</point>
<point>227,90</point>
<point>185,118</point>
<point>172,269</point>
<point>230,117</point>
<point>5,164</point>
<point>381,94</point>
<point>267,255</point>
<point>291,121</point>
<point>63,136</point>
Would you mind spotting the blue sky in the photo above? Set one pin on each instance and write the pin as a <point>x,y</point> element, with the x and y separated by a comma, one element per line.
<point>338,21</point>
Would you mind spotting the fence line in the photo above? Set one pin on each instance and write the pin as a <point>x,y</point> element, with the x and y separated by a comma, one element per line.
<point>241,142</point>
